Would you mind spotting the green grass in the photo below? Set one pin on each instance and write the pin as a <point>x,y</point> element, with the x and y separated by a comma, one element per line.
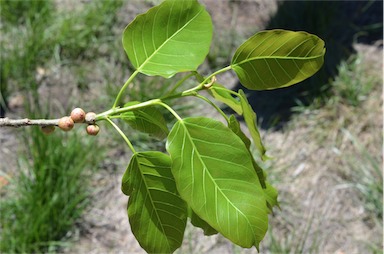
<point>50,189</point>
<point>34,38</point>
<point>50,193</point>
<point>352,85</point>
<point>22,47</point>
<point>16,12</point>
<point>79,35</point>
<point>16,15</point>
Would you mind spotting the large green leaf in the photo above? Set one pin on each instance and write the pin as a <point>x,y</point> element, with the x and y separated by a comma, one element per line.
<point>277,58</point>
<point>148,120</point>
<point>251,121</point>
<point>156,212</point>
<point>172,37</point>
<point>214,173</point>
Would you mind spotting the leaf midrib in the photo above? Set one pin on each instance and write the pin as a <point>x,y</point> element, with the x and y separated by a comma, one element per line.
<point>275,57</point>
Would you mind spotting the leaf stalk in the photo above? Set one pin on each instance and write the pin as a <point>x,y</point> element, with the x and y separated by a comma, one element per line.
<point>126,84</point>
<point>121,134</point>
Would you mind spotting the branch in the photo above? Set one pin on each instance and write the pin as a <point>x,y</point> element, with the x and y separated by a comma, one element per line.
<point>28,122</point>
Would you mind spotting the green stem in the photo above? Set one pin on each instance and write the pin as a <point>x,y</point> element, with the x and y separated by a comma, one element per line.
<point>213,105</point>
<point>114,111</point>
<point>117,110</point>
<point>198,76</point>
<point>197,88</point>
<point>169,109</point>
<point>217,73</point>
<point>228,90</point>
<point>201,85</point>
<point>190,92</point>
<point>120,94</point>
<point>122,134</point>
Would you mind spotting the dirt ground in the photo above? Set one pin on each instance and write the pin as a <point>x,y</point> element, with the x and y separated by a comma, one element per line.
<point>314,198</point>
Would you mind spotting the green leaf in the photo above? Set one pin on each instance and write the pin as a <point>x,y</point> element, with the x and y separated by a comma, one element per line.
<point>234,125</point>
<point>270,194</point>
<point>148,120</point>
<point>172,37</point>
<point>214,174</point>
<point>259,172</point>
<point>277,58</point>
<point>200,223</point>
<point>251,120</point>
<point>126,184</point>
<point>269,191</point>
<point>223,95</point>
<point>156,212</point>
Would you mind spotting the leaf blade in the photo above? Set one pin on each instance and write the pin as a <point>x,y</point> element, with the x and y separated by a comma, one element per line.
<point>215,176</point>
<point>156,212</point>
<point>200,223</point>
<point>148,120</point>
<point>156,41</point>
<point>251,122</point>
<point>234,125</point>
<point>222,94</point>
<point>270,192</point>
<point>277,58</point>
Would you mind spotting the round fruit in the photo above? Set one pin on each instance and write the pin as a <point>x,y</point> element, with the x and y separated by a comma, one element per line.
<point>90,117</point>
<point>66,123</point>
<point>48,129</point>
<point>93,129</point>
<point>78,115</point>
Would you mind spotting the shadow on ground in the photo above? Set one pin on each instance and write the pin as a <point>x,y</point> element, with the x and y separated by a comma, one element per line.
<point>339,24</point>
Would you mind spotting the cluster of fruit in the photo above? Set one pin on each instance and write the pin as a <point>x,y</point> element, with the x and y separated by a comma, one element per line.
<point>78,115</point>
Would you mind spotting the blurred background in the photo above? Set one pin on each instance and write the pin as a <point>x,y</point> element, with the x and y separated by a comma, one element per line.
<point>61,193</point>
